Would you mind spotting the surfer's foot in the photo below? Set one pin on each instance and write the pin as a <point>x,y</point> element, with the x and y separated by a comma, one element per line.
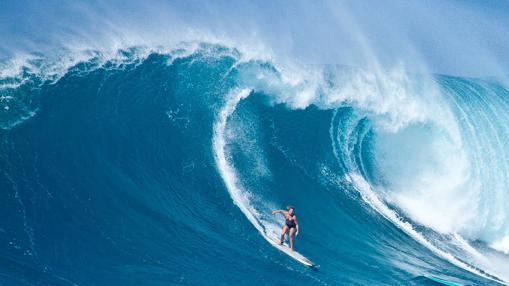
<point>280,242</point>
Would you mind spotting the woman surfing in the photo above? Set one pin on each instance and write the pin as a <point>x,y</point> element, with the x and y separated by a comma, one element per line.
<point>291,224</point>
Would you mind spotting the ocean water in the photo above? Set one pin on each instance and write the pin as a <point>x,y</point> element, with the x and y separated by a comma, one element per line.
<point>162,167</point>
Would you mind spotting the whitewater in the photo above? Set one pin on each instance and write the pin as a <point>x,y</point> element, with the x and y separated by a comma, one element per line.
<point>147,156</point>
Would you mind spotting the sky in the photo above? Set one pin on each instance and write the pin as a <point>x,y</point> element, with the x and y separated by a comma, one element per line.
<point>468,38</point>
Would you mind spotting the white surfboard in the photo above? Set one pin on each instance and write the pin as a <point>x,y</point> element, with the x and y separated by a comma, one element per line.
<point>294,254</point>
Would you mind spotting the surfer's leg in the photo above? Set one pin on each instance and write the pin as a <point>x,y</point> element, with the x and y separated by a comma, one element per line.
<point>292,231</point>
<point>283,232</point>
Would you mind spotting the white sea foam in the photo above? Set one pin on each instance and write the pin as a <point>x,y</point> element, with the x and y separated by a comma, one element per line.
<point>370,197</point>
<point>502,245</point>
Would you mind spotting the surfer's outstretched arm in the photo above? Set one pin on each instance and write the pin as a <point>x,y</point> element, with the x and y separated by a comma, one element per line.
<point>279,212</point>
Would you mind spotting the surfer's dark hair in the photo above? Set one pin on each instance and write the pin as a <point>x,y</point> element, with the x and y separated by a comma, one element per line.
<point>290,207</point>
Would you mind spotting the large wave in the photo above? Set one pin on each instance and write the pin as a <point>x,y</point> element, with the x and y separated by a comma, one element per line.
<point>406,171</point>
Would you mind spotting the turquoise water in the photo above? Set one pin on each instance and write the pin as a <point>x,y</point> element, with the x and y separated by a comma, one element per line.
<point>162,168</point>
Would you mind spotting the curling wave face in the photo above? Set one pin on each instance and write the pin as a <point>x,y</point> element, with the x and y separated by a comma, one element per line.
<point>405,171</point>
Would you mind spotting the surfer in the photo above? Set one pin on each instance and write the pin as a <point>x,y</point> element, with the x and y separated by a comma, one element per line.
<point>291,224</point>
